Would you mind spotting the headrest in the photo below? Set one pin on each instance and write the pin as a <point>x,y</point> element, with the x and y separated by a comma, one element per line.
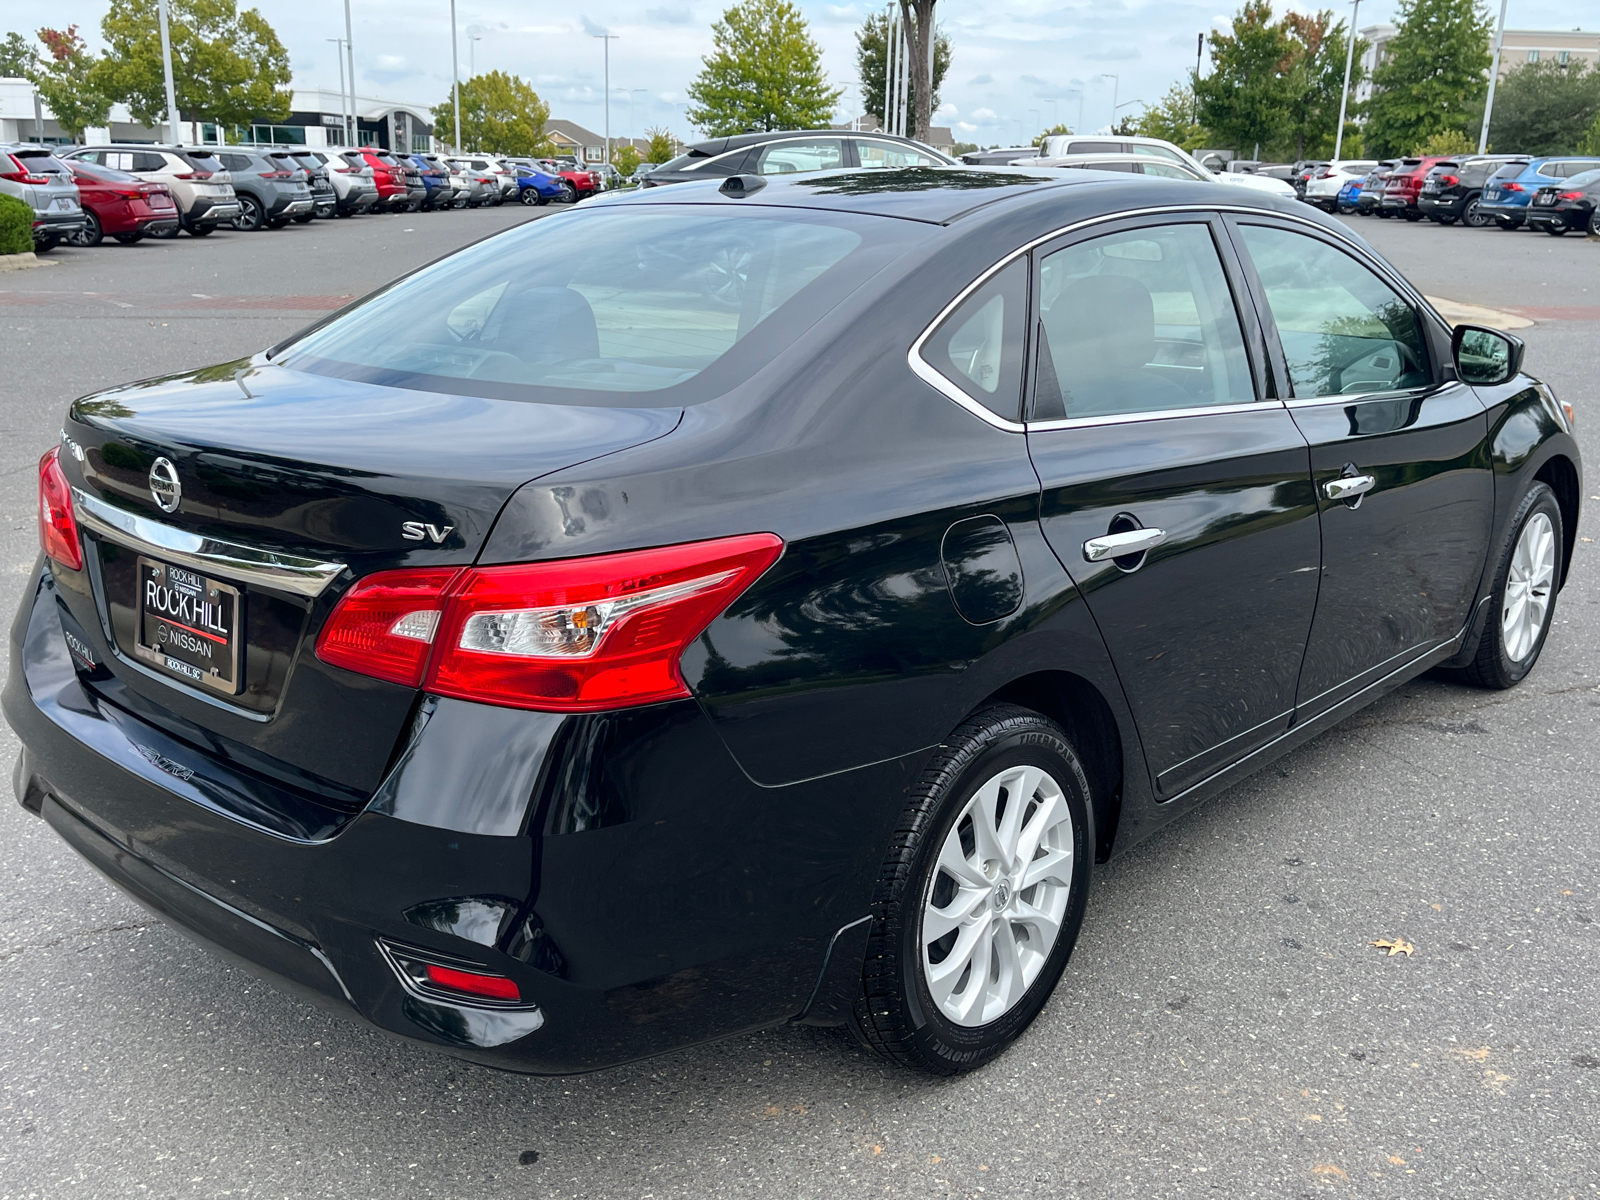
<point>1102,324</point>
<point>548,322</point>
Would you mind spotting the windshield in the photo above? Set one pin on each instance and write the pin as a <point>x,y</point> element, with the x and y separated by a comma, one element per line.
<point>606,300</point>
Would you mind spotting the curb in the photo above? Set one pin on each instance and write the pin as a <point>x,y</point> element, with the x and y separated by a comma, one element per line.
<point>1455,312</point>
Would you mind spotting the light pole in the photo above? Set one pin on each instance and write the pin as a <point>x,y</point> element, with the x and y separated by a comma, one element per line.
<point>606,39</point>
<point>344,96</point>
<point>455,72</point>
<point>1494,77</point>
<point>1115,83</point>
<point>472,54</point>
<point>166,67</point>
<point>350,58</point>
<point>1344,94</point>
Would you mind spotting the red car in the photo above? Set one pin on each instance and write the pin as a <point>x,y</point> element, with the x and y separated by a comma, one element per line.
<point>122,205</point>
<point>582,183</point>
<point>1404,185</point>
<point>389,175</point>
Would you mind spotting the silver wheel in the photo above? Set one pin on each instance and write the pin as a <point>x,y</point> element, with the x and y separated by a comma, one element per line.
<point>995,903</point>
<point>1529,585</point>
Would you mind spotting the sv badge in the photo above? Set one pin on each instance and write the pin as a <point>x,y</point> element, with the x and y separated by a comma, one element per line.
<point>416,531</point>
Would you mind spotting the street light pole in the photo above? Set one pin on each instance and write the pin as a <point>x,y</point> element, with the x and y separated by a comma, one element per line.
<point>455,73</point>
<point>166,67</point>
<point>1494,77</point>
<point>1344,94</point>
<point>1115,83</point>
<point>606,40</point>
<point>472,54</point>
<point>344,97</point>
<point>350,58</point>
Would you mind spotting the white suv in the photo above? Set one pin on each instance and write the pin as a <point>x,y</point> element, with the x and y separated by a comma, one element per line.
<point>1071,145</point>
<point>201,188</point>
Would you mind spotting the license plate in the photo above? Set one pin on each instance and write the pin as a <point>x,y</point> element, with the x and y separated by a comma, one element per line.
<point>61,204</point>
<point>1544,198</point>
<point>188,625</point>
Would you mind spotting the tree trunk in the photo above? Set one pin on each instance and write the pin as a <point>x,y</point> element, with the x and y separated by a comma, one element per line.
<point>918,18</point>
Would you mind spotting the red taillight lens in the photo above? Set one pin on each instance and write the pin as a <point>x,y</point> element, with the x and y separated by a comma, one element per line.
<point>384,626</point>
<point>1571,196</point>
<point>22,174</point>
<point>58,528</point>
<point>490,987</point>
<point>572,635</point>
<point>1512,187</point>
<point>1325,175</point>
<point>1449,180</point>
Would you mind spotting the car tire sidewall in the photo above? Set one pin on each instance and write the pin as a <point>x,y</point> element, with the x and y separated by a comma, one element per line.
<point>936,1043</point>
<point>1471,215</point>
<point>569,193</point>
<point>1494,667</point>
<point>250,218</point>
<point>92,234</point>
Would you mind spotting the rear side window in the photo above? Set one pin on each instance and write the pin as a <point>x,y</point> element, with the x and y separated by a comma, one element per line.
<point>624,300</point>
<point>1577,167</point>
<point>1153,152</point>
<point>800,154</point>
<point>980,346</point>
<point>1084,147</point>
<point>1344,331</point>
<point>1139,321</point>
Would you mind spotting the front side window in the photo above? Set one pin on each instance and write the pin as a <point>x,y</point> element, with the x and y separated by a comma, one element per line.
<point>623,300</point>
<point>1166,170</point>
<point>892,154</point>
<point>801,154</point>
<point>980,346</point>
<point>1344,331</point>
<point>1154,152</point>
<point>1138,321</point>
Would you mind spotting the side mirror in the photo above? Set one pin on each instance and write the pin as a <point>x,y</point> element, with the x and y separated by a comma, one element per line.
<point>1485,356</point>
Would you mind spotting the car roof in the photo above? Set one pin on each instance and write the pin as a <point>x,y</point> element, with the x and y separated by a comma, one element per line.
<point>715,146</point>
<point>941,195</point>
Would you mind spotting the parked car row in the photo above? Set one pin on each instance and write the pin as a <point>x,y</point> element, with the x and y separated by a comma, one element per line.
<point>1555,194</point>
<point>82,195</point>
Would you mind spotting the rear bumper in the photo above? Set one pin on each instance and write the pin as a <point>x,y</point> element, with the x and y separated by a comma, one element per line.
<point>643,894</point>
<point>1510,214</point>
<point>1448,206</point>
<point>212,211</point>
<point>58,223</point>
<point>1556,218</point>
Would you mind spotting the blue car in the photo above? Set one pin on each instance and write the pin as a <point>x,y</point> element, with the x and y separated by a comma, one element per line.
<point>537,187</point>
<point>1506,195</point>
<point>436,178</point>
<point>1348,195</point>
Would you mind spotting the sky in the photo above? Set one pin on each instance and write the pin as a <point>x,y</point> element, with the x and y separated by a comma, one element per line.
<point>1017,67</point>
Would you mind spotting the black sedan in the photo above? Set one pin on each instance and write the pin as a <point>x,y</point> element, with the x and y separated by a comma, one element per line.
<point>793,151</point>
<point>1573,205</point>
<point>764,602</point>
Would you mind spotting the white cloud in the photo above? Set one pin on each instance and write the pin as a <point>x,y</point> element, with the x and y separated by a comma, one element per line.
<point>983,114</point>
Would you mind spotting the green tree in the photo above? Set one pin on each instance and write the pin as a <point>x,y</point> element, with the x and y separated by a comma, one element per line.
<point>625,159</point>
<point>1172,119</point>
<point>17,57</point>
<point>1448,141</point>
<point>872,65</point>
<point>1245,99</point>
<point>765,72</point>
<point>1315,74</point>
<point>1591,140</point>
<point>65,79</point>
<point>228,66</point>
<point>1051,132</point>
<point>1434,77</point>
<point>1543,108</point>
<point>660,150</point>
<point>500,114</point>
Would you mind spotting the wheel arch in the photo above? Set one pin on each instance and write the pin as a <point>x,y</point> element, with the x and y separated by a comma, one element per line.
<point>1075,704</point>
<point>1560,474</point>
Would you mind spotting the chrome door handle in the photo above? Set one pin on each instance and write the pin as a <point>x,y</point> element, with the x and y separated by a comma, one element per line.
<point>1118,545</point>
<point>1348,487</point>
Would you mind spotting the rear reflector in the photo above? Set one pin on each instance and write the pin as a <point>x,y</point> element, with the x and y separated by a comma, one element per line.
<point>471,983</point>
<point>571,635</point>
<point>58,528</point>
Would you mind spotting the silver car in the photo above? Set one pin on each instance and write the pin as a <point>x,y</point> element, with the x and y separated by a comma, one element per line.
<point>200,185</point>
<point>34,175</point>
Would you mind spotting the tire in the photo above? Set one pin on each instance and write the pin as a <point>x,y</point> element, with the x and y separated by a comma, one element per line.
<point>1528,573</point>
<point>542,200</point>
<point>1508,226</point>
<point>1411,216</point>
<point>1594,223</point>
<point>569,194</point>
<point>92,234</point>
<point>529,196</point>
<point>1473,216</point>
<point>1555,230</point>
<point>129,239</point>
<point>279,222</point>
<point>1383,212</point>
<point>305,219</point>
<point>1445,220</point>
<point>200,230</point>
<point>943,1025</point>
<point>250,218</point>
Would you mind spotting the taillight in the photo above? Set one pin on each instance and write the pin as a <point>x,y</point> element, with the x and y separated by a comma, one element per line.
<point>1325,175</point>
<point>472,983</point>
<point>1570,196</point>
<point>384,626</point>
<point>22,174</point>
<point>1512,187</point>
<point>571,635</point>
<point>1449,180</point>
<point>58,528</point>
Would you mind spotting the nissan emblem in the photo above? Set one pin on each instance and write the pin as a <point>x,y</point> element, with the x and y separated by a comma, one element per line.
<point>164,485</point>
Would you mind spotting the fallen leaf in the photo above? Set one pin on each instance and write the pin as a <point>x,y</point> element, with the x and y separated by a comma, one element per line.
<point>934,1158</point>
<point>1437,907</point>
<point>1330,1170</point>
<point>1495,1081</point>
<point>1312,1117</point>
<point>1397,1160</point>
<point>1566,891</point>
<point>1398,946</point>
<point>1478,1055</point>
<point>877,1150</point>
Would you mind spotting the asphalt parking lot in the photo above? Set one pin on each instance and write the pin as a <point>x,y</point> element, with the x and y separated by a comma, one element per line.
<point>1224,1028</point>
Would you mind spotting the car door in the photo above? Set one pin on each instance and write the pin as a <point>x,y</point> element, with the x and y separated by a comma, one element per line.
<point>1398,454</point>
<point>1176,490</point>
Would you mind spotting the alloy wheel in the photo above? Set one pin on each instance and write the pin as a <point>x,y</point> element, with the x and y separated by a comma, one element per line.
<point>1473,216</point>
<point>1529,585</point>
<point>90,234</point>
<point>995,903</point>
<point>250,216</point>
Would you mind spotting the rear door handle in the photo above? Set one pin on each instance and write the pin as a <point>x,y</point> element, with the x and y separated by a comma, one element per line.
<point>1348,487</point>
<point>1119,545</point>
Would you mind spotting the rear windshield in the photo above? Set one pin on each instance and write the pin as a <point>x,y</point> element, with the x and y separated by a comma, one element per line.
<point>103,174</point>
<point>603,303</point>
<point>1509,171</point>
